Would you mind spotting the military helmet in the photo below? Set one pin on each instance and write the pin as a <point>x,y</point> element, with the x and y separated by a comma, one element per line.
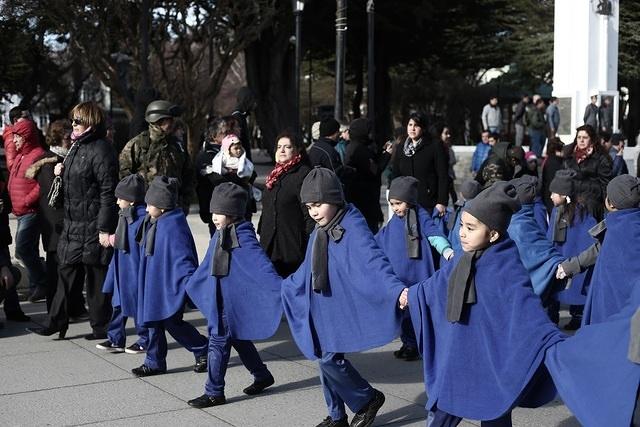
<point>160,109</point>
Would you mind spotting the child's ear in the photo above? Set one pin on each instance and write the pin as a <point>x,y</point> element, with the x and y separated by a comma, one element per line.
<point>494,236</point>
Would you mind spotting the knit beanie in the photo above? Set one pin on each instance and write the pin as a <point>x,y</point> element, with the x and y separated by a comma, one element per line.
<point>315,131</point>
<point>495,205</point>
<point>469,189</point>
<point>229,199</point>
<point>329,126</point>
<point>162,193</point>
<point>563,182</point>
<point>359,130</point>
<point>321,185</point>
<point>228,141</point>
<point>527,188</point>
<point>405,189</point>
<point>623,192</point>
<point>131,188</point>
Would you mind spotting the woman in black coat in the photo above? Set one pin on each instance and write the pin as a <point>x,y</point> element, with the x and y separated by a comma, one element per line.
<point>285,224</point>
<point>89,178</point>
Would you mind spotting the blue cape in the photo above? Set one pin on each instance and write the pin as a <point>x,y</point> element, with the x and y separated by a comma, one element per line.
<point>478,368</point>
<point>359,311</point>
<point>250,293</point>
<point>537,253</point>
<point>578,239</point>
<point>391,239</point>
<point>592,372</point>
<point>540,213</point>
<point>617,269</point>
<point>163,275</point>
<point>122,276</point>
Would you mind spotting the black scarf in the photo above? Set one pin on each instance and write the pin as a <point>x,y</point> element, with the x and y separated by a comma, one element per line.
<point>455,215</point>
<point>413,233</point>
<point>461,288</point>
<point>634,341</point>
<point>320,252</point>
<point>227,240</point>
<point>148,227</point>
<point>125,218</point>
<point>560,226</point>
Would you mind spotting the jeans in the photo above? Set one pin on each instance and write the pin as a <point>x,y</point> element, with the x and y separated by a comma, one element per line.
<point>117,334</point>
<point>537,141</point>
<point>27,242</point>
<point>519,134</point>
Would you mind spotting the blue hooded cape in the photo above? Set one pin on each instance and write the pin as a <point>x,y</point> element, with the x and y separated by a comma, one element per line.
<point>617,270</point>
<point>251,291</point>
<point>578,239</point>
<point>479,368</point>
<point>540,213</point>
<point>592,372</point>
<point>392,240</point>
<point>359,310</point>
<point>163,275</point>
<point>538,255</point>
<point>122,276</point>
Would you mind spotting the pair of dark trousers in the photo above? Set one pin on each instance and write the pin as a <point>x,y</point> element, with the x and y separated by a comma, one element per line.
<point>27,242</point>
<point>183,332</point>
<point>117,333</point>
<point>220,343</point>
<point>438,418</point>
<point>73,276</point>
<point>342,384</point>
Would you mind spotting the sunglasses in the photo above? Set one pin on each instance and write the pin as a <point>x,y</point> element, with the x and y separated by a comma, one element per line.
<point>77,121</point>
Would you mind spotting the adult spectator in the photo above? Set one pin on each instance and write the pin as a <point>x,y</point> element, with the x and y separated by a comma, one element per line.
<point>593,166</point>
<point>89,177</point>
<point>481,152</point>
<point>16,114</point>
<point>424,159</point>
<point>553,116</point>
<point>443,133</point>
<point>605,115</point>
<point>552,163</point>
<point>285,224</point>
<point>363,189</point>
<point>504,163</point>
<point>245,105</point>
<point>343,141</point>
<point>518,118</point>
<point>492,116</point>
<point>537,125</point>
<point>614,146</point>
<point>591,112</point>
<point>322,152</point>
<point>24,193</point>
<point>156,152</point>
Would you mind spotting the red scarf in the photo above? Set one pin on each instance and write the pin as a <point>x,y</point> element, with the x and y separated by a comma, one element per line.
<point>581,155</point>
<point>280,170</point>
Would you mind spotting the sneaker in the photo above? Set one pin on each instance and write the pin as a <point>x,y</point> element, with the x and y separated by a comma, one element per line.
<point>201,364</point>
<point>366,415</point>
<point>135,349</point>
<point>330,422</point>
<point>206,401</point>
<point>258,386</point>
<point>145,371</point>
<point>110,347</point>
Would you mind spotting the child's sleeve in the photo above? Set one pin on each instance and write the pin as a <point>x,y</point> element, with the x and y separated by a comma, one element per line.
<point>442,245</point>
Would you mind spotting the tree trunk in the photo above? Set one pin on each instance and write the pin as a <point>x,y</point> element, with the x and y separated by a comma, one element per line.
<point>383,123</point>
<point>144,93</point>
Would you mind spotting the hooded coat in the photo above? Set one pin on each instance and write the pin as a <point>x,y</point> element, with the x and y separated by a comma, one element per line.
<point>25,192</point>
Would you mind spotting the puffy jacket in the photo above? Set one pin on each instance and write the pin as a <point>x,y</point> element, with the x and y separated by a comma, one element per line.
<point>25,192</point>
<point>88,183</point>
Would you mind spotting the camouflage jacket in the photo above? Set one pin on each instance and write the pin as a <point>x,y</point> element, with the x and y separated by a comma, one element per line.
<point>163,157</point>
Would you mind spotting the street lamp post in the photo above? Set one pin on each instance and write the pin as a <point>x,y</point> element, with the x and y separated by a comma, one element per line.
<point>341,34</point>
<point>298,6</point>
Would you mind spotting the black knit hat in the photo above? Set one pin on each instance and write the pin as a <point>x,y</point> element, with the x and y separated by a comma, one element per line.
<point>405,189</point>
<point>229,199</point>
<point>329,126</point>
<point>162,193</point>
<point>469,189</point>
<point>495,205</point>
<point>321,185</point>
<point>131,188</point>
<point>527,188</point>
<point>623,192</point>
<point>563,182</point>
<point>359,129</point>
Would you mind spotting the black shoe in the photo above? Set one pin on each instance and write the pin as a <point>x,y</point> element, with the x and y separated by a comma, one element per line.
<point>83,317</point>
<point>573,325</point>
<point>18,317</point>
<point>145,371</point>
<point>93,336</point>
<point>330,422</point>
<point>399,354</point>
<point>201,364</point>
<point>206,401</point>
<point>47,332</point>
<point>411,354</point>
<point>366,415</point>
<point>135,348</point>
<point>258,386</point>
<point>38,294</point>
<point>110,347</point>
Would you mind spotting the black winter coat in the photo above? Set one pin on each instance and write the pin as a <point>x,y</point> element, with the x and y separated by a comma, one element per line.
<point>204,187</point>
<point>323,153</point>
<point>285,224</point>
<point>89,180</point>
<point>429,166</point>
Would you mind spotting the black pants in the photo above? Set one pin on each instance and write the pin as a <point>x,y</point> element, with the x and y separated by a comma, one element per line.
<point>10,296</point>
<point>72,277</point>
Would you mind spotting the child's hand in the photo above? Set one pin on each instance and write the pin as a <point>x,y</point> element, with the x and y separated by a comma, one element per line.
<point>403,300</point>
<point>448,254</point>
<point>560,274</point>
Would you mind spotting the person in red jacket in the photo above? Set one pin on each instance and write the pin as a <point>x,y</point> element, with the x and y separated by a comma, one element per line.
<point>25,193</point>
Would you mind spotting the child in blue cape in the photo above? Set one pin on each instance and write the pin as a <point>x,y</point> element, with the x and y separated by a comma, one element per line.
<point>167,259</point>
<point>468,190</point>
<point>405,240</point>
<point>122,276</point>
<point>569,231</point>
<point>238,290</point>
<point>538,255</point>
<point>343,298</point>
<point>481,329</point>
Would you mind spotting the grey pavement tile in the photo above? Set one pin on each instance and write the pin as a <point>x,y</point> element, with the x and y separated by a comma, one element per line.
<point>186,417</point>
